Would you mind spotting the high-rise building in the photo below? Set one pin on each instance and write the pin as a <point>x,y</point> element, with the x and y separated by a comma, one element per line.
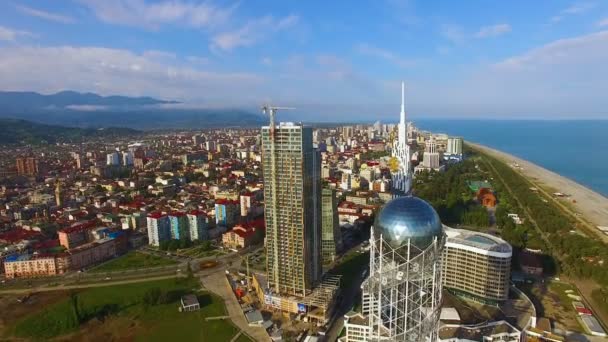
<point>454,146</point>
<point>245,200</point>
<point>331,240</point>
<point>28,166</point>
<point>292,206</point>
<point>127,158</point>
<point>113,158</point>
<point>476,266</point>
<point>159,228</point>
<point>401,169</point>
<point>179,226</point>
<point>430,159</point>
<point>198,225</point>
<point>226,212</point>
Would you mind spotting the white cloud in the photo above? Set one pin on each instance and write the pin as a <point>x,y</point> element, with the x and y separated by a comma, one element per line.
<point>574,9</point>
<point>252,32</point>
<point>493,31</point>
<point>564,78</point>
<point>59,18</point>
<point>11,35</point>
<point>267,61</point>
<point>387,55</point>
<point>603,23</point>
<point>151,15</point>
<point>453,33</point>
<point>114,71</point>
<point>580,7</point>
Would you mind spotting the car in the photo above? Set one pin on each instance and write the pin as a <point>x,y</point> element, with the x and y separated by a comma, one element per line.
<point>108,278</point>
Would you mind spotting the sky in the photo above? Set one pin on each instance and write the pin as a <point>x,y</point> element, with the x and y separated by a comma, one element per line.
<point>333,60</point>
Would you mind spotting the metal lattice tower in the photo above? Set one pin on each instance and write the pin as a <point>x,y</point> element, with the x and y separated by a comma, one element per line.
<point>404,290</point>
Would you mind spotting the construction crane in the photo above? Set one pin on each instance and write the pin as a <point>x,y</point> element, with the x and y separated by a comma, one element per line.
<point>271,111</point>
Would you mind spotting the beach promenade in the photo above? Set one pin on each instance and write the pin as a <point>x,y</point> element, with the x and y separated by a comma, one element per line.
<point>591,208</point>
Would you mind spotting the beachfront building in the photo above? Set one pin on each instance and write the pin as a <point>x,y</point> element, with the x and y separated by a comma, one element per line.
<point>454,146</point>
<point>476,265</point>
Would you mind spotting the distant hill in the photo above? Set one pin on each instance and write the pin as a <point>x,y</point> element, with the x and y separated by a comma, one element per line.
<point>19,100</point>
<point>89,110</point>
<point>14,131</point>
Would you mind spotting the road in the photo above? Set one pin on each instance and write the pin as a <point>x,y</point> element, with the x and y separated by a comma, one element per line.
<point>75,280</point>
<point>218,284</point>
<point>348,297</point>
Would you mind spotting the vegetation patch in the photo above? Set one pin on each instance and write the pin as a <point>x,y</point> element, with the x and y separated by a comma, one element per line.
<point>133,260</point>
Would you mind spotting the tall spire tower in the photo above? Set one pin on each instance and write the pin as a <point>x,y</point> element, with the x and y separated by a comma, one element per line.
<point>402,173</point>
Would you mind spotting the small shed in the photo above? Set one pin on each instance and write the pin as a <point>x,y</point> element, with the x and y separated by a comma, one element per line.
<point>190,303</point>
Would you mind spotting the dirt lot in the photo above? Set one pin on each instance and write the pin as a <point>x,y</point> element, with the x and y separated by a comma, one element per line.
<point>551,302</point>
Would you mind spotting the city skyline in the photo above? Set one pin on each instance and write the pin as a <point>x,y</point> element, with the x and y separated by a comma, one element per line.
<point>481,60</point>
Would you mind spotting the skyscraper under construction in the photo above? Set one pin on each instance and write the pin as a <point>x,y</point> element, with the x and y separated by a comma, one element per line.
<point>292,194</point>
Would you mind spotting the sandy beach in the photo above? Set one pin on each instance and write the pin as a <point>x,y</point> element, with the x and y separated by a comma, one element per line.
<point>592,205</point>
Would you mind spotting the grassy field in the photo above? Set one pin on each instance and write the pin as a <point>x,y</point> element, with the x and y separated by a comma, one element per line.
<point>118,313</point>
<point>132,260</point>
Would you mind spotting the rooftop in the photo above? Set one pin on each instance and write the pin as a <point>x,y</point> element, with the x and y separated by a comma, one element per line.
<point>482,241</point>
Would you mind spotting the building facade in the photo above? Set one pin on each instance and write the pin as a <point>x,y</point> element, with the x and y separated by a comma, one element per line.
<point>331,241</point>
<point>198,224</point>
<point>292,206</point>
<point>476,265</point>
<point>27,166</point>
<point>226,212</point>
<point>179,226</point>
<point>159,228</point>
<point>454,146</point>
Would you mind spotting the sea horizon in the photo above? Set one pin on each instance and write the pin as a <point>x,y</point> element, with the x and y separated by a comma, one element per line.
<point>570,148</point>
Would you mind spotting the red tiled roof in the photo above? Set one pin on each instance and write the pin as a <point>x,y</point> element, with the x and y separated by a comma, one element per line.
<point>17,235</point>
<point>177,214</point>
<point>197,212</point>
<point>225,201</point>
<point>156,215</point>
<point>79,226</point>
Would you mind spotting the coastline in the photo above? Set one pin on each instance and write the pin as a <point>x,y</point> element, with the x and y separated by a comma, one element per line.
<point>592,205</point>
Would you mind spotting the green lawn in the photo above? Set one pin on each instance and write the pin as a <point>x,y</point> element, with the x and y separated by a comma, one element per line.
<point>132,260</point>
<point>350,267</point>
<point>121,304</point>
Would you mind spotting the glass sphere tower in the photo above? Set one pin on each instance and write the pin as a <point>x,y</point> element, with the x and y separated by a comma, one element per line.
<point>404,285</point>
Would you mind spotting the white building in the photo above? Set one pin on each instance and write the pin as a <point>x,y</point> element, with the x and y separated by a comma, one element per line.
<point>402,176</point>
<point>113,159</point>
<point>454,146</point>
<point>159,228</point>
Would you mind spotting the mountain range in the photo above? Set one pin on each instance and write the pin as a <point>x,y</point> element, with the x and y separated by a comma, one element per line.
<point>88,110</point>
<point>15,131</point>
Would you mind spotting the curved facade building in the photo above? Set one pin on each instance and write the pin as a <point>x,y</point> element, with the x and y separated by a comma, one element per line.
<point>476,265</point>
<point>404,284</point>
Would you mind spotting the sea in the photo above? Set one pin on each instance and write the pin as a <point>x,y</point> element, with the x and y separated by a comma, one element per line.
<point>577,149</point>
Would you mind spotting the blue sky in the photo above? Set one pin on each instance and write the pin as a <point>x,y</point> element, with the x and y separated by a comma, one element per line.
<point>331,59</point>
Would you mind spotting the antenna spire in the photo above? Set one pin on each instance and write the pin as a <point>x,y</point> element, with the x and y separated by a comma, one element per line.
<point>402,102</point>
